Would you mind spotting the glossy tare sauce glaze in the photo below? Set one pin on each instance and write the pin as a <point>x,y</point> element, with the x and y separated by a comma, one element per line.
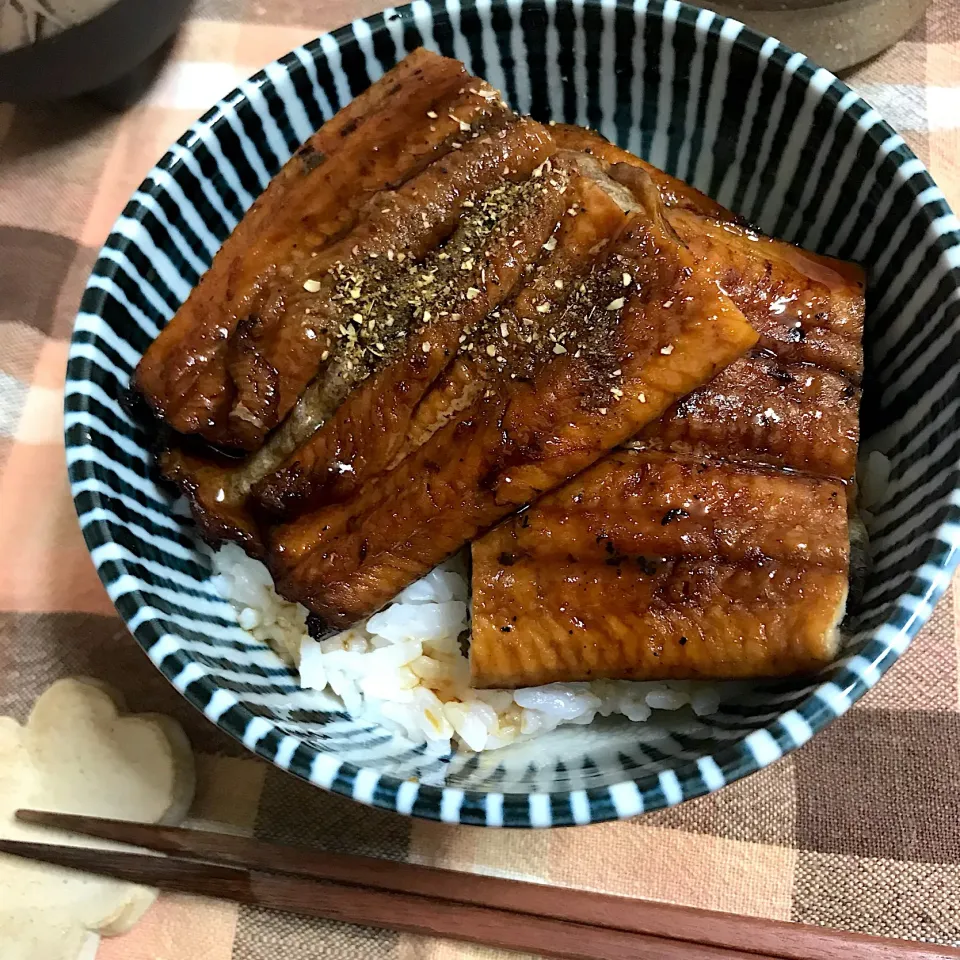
<point>719,546</point>
<point>618,359</point>
<point>658,566</point>
<point>438,312</point>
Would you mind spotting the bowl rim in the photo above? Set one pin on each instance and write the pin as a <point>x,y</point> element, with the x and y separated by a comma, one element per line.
<point>816,705</point>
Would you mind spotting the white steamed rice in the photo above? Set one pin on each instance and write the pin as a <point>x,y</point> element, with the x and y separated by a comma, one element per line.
<point>405,666</point>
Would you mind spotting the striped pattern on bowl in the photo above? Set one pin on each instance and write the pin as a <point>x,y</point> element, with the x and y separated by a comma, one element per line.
<point>755,125</point>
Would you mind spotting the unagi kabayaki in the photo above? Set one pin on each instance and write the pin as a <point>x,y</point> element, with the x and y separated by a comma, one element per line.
<point>719,546</point>
<point>514,242</point>
<point>794,400</point>
<point>235,358</point>
<point>301,464</point>
<point>294,364</point>
<point>443,322</point>
<point>652,566</point>
<point>411,322</point>
<point>674,193</point>
<point>634,330</point>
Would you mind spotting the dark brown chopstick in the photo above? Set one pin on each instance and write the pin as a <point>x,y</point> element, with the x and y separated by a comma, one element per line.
<point>373,907</point>
<point>499,901</point>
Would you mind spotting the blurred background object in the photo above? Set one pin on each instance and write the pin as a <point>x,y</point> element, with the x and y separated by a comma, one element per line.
<point>25,21</point>
<point>835,33</point>
<point>50,49</point>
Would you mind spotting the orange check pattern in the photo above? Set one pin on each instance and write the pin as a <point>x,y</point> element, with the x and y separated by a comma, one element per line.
<point>859,829</point>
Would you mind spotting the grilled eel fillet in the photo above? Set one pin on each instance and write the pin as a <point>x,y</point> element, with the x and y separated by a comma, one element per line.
<point>794,400</point>
<point>720,561</point>
<point>674,193</point>
<point>219,488</point>
<point>235,358</point>
<point>366,273</point>
<point>397,291</point>
<point>637,328</point>
<point>376,428</point>
<point>290,471</point>
<point>654,566</point>
<point>451,290</point>
<point>513,339</point>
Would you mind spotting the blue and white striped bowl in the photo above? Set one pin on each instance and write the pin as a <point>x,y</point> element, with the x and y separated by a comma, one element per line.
<point>753,124</point>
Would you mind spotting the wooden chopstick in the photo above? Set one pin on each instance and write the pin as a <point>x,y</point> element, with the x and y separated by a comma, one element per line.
<point>373,907</point>
<point>446,891</point>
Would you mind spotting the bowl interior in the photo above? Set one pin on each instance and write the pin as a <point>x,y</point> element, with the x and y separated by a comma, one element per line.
<point>753,124</point>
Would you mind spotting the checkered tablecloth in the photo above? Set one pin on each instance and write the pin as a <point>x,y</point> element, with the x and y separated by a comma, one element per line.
<point>859,829</point>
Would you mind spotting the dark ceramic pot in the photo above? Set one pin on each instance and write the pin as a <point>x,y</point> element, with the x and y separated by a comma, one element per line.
<point>110,52</point>
<point>837,34</point>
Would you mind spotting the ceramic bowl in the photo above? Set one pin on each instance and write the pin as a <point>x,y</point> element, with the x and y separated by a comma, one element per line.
<point>757,126</point>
